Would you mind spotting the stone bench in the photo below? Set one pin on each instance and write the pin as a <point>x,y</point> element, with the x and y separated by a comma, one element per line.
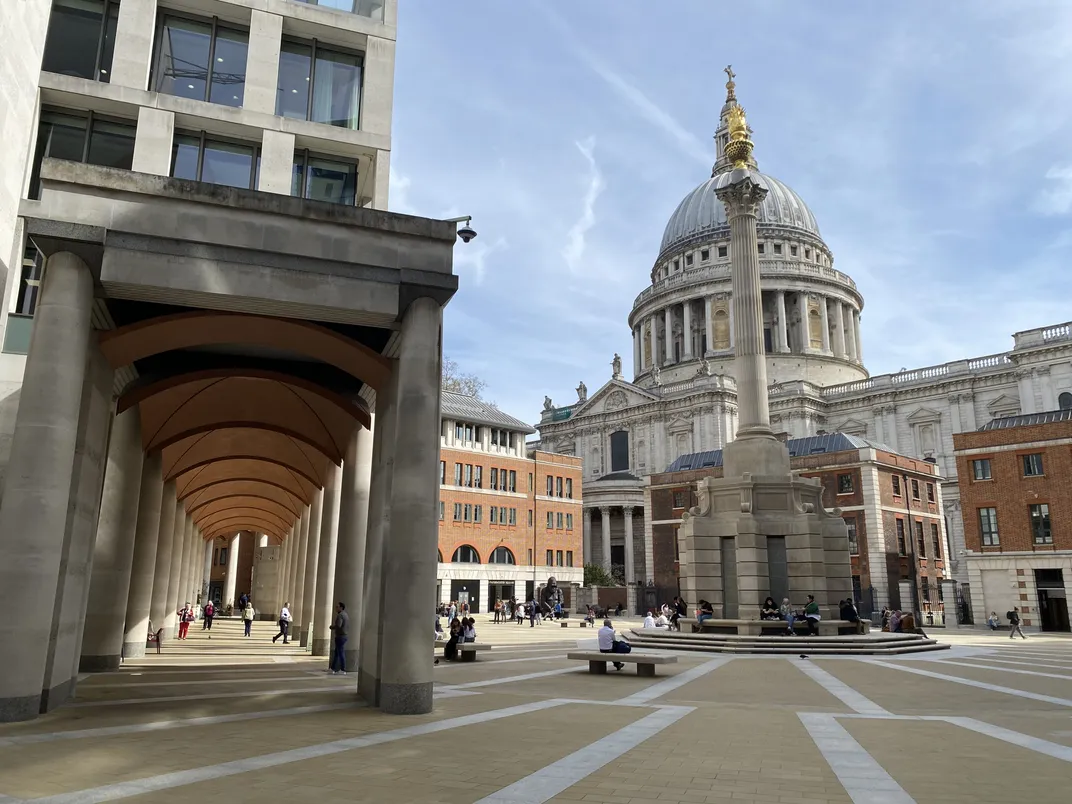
<point>469,650</point>
<point>645,662</point>
<point>768,627</point>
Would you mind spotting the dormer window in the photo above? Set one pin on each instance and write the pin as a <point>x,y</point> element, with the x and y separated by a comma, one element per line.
<point>688,259</point>
<point>677,265</point>
<point>777,248</point>
<point>705,255</point>
<point>723,251</point>
<point>807,253</point>
<point>792,251</point>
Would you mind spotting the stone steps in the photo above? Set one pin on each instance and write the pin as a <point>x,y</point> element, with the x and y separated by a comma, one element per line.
<point>872,645</point>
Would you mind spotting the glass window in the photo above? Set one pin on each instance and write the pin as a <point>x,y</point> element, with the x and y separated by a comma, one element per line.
<point>494,478</point>
<point>457,474</point>
<point>501,555</point>
<point>64,136</point>
<point>921,544</point>
<point>494,514</point>
<point>844,484</point>
<point>1040,524</point>
<point>915,489</point>
<point>902,547</point>
<point>569,558</point>
<point>468,512</point>
<point>513,516</point>
<point>896,486</point>
<point>558,520</point>
<point>558,558</point>
<point>981,469</point>
<point>336,89</point>
<point>478,512</point>
<point>442,472</point>
<point>513,480</point>
<point>854,545</point>
<point>111,145</point>
<point>227,164</point>
<point>457,512</point>
<point>1033,465</point>
<point>223,556</point>
<point>550,520</point>
<point>469,474</point>
<point>936,542</point>
<point>478,477</point>
<point>199,60</point>
<point>331,181</point>
<point>569,488</point>
<point>558,486</point>
<point>550,486</point>
<point>465,554</point>
<point>184,154</point>
<point>569,521</point>
<point>530,517</point>
<point>988,526</point>
<point>292,91</point>
<point>930,492</point>
<point>442,507</point>
<point>81,38</point>
<point>550,557</point>
<point>228,85</point>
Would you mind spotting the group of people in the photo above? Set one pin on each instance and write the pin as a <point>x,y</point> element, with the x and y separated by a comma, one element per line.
<point>810,614</point>
<point>896,621</point>
<point>994,622</point>
<point>460,630</point>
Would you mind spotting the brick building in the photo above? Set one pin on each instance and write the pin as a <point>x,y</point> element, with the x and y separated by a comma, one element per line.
<point>1016,493</point>
<point>507,519</point>
<point>891,504</point>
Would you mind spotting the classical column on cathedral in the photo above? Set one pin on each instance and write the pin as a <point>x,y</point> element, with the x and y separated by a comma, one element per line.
<point>781,341</point>
<point>636,350</point>
<point>709,322</point>
<point>856,336</point>
<point>654,335</point>
<point>850,331</point>
<point>839,330</point>
<point>824,318</point>
<point>669,316</point>
<point>686,335</point>
<point>805,332</point>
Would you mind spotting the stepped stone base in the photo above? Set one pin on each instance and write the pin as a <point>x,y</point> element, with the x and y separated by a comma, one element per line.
<point>882,644</point>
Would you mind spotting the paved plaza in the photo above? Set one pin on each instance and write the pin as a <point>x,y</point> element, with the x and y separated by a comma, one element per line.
<point>242,720</point>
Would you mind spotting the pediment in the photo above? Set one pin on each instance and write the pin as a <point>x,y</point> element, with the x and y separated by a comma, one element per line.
<point>921,415</point>
<point>852,427</point>
<point>1004,404</point>
<point>615,395</point>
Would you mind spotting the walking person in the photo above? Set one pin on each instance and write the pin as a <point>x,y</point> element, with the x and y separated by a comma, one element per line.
<point>340,629</point>
<point>186,616</point>
<point>247,615</point>
<point>284,623</point>
<point>1014,623</point>
<point>210,612</point>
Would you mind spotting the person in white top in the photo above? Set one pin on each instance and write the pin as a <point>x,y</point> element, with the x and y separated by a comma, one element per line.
<point>649,621</point>
<point>284,623</point>
<point>608,644</point>
<point>661,621</point>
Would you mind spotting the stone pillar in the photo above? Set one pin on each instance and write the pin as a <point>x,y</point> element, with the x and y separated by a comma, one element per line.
<point>586,543</point>
<point>102,636</point>
<point>33,514</point>
<point>781,341</point>
<point>312,555</point>
<point>850,334</point>
<point>805,328</point>
<point>230,580</point>
<point>301,551</point>
<point>410,552</point>
<point>133,54</point>
<point>654,334</point>
<point>630,570</point>
<point>189,561</point>
<point>154,142</point>
<point>325,571</point>
<point>824,317</point>
<point>143,567</point>
<point>686,337</point>
<point>636,351</point>
<point>604,512</point>
<point>262,63</point>
<point>378,519</point>
<point>206,569</point>
<point>709,323</point>
<point>856,336</point>
<point>732,320</point>
<point>165,545</point>
<point>949,603</point>
<point>668,315</point>
<point>839,330</point>
<point>178,541</point>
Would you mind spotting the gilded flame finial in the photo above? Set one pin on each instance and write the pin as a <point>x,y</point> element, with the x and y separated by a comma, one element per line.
<point>739,147</point>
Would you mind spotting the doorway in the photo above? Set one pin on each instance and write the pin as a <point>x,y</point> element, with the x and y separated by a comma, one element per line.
<point>1052,601</point>
<point>499,590</point>
<point>467,591</point>
<point>215,593</point>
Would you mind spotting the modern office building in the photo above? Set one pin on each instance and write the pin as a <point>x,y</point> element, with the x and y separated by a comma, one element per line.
<point>509,518</point>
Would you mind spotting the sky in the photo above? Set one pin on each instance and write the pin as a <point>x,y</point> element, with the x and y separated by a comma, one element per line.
<point>933,142</point>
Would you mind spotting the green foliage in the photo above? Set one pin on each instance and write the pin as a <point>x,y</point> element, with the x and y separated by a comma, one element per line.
<point>596,575</point>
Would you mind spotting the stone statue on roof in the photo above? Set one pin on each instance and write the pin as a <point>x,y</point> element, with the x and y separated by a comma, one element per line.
<point>548,404</point>
<point>582,392</point>
<point>616,366</point>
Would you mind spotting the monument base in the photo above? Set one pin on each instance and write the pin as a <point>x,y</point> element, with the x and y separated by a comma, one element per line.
<point>763,532</point>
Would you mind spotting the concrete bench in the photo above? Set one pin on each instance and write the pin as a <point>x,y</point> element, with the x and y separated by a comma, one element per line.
<point>768,627</point>
<point>469,650</point>
<point>645,662</point>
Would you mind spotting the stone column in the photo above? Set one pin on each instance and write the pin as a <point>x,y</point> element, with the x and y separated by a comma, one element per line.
<point>839,330</point>
<point>630,570</point>
<point>325,572</point>
<point>379,519</point>
<point>636,351</point>
<point>178,540</point>
<point>206,569</point>
<point>668,315</point>
<point>312,554</point>
<point>686,338</point>
<point>732,321</point>
<point>709,323</point>
<point>805,328</point>
<point>231,578</point>
<point>824,317</point>
<point>189,561</point>
<point>856,336</point>
<point>143,567</point>
<point>586,537</point>
<point>349,536</point>
<point>33,515</point>
<point>654,340</point>
<point>850,334</point>
<point>604,524</point>
<point>781,341</point>
<point>410,552</point>
<point>301,551</point>
<point>165,545</point>
<point>102,636</point>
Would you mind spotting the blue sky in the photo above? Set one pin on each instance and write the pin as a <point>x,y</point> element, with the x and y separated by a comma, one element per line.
<point>932,141</point>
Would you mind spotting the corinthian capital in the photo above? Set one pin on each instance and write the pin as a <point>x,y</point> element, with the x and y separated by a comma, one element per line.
<point>742,197</point>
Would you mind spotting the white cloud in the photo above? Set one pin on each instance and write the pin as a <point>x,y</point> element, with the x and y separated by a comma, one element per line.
<point>573,253</point>
<point>473,257</point>
<point>399,193</point>
<point>1057,198</point>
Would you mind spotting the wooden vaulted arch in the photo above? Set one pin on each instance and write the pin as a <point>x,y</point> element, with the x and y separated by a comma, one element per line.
<point>206,476</point>
<point>243,487</point>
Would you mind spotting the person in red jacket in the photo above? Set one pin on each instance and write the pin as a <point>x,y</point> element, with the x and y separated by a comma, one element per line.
<point>186,616</point>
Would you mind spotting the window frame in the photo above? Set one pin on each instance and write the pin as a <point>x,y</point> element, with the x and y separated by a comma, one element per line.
<point>550,556</point>
<point>915,488</point>
<point>158,53</point>
<point>1029,458</point>
<point>203,137</point>
<point>851,527</point>
<point>977,465</point>
<point>90,117</point>
<point>896,484</point>
<point>930,492</point>
<point>106,7</point>
<point>851,486</point>
<point>303,155</point>
<point>989,533</point>
<point>1042,532</point>
<point>314,45</point>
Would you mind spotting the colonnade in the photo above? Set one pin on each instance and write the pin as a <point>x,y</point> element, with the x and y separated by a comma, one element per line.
<point>98,544</point>
<point>604,558</point>
<point>839,328</point>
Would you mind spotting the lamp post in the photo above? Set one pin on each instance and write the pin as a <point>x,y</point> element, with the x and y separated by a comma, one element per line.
<point>535,519</point>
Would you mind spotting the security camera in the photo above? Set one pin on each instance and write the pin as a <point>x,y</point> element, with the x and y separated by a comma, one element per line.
<point>466,233</point>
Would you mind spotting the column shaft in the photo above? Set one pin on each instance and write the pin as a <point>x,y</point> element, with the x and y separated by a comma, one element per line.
<point>410,552</point>
<point>302,552</point>
<point>630,569</point>
<point>102,636</point>
<point>206,569</point>
<point>178,544</point>
<point>653,336</point>
<point>231,579</point>
<point>636,349</point>
<point>350,540</point>
<point>158,606</point>
<point>33,514</point>
<point>686,335</point>
<point>850,334</point>
<point>839,330</point>
<point>805,330</point>
<point>143,567</point>
<point>605,526</point>
<point>587,538</point>
<point>668,316</point>
<point>325,572</point>
<point>781,341</point>
<point>856,336</point>
<point>312,554</point>
<point>709,322</point>
<point>824,316</point>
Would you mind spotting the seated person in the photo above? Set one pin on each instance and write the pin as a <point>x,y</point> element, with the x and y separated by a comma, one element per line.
<point>661,621</point>
<point>786,613</point>
<point>895,621</point>
<point>811,614</point>
<point>769,610</point>
<point>706,612</point>
<point>680,610</point>
<point>618,610</point>
<point>649,620</point>
<point>589,615</point>
<point>993,621</point>
<point>609,643</point>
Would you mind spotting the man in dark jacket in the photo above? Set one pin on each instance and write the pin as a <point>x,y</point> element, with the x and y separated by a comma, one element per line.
<point>340,630</point>
<point>1014,623</point>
